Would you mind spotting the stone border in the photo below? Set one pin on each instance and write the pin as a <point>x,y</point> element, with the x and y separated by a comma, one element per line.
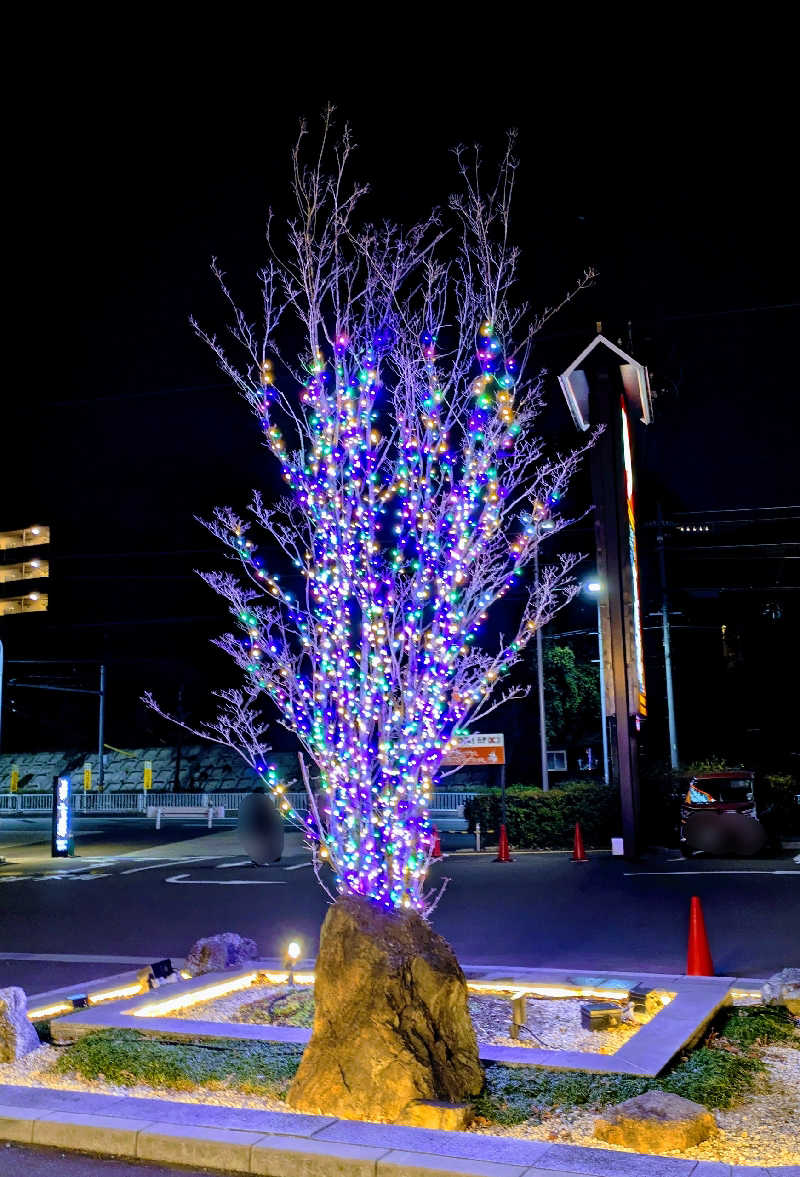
<point>647,1053</point>
<point>286,1144</point>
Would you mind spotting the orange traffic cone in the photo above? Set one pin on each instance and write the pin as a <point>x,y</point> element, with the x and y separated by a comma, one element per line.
<point>437,845</point>
<point>578,853</point>
<point>503,854</point>
<point>698,963</point>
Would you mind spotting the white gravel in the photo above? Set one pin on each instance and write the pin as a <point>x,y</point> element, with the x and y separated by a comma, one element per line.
<point>761,1131</point>
<point>35,1070</point>
<point>552,1024</point>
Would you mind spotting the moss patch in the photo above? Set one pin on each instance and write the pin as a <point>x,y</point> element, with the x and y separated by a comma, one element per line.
<point>294,1007</point>
<point>128,1057</point>
<point>713,1077</point>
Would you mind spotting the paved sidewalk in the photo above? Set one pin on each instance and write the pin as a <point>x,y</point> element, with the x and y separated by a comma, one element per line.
<point>286,1144</point>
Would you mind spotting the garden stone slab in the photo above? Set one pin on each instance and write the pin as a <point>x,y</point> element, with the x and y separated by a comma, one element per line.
<point>187,1144</point>
<point>417,1164</point>
<point>86,1133</point>
<point>214,1116</point>
<point>16,1123</point>
<point>311,1158</point>
<point>598,1162</point>
<point>467,1145</point>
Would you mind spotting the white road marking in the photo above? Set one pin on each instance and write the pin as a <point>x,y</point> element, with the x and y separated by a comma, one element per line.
<point>165,864</point>
<point>679,874</point>
<point>225,882</point>
<point>297,866</point>
<point>75,958</point>
<point>228,865</point>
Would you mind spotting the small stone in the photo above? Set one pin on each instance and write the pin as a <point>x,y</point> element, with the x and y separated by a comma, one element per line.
<point>656,1122</point>
<point>17,1035</point>
<point>435,1113</point>
<point>783,988</point>
<point>226,950</point>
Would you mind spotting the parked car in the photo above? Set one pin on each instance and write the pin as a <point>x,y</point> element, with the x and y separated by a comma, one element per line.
<point>718,814</point>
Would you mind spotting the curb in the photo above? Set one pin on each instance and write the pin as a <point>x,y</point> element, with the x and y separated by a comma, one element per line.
<point>286,1144</point>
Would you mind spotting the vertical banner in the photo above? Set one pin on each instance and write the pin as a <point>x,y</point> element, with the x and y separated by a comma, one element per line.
<point>61,845</point>
<point>14,785</point>
<point>147,783</point>
<point>87,777</point>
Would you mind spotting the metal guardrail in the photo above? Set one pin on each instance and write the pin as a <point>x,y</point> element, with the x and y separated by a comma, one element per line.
<point>127,802</point>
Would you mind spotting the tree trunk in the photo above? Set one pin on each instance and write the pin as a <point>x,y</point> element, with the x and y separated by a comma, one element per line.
<point>391,1026</point>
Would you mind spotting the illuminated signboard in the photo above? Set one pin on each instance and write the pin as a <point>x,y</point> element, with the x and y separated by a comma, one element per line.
<point>480,748</point>
<point>62,818</point>
<point>638,648</point>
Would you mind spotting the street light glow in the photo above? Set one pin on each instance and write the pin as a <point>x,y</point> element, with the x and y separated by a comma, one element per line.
<point>594,586</point>
<point>293,950</point>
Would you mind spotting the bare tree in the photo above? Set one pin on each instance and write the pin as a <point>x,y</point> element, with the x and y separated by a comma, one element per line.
<point>404,427</point>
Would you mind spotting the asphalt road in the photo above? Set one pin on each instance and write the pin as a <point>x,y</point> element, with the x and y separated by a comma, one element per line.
<point>136,895</point>
<point>17,1161</point>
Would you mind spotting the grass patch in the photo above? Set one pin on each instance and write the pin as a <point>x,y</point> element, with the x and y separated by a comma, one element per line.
<point>759,1025</point>
<point>128,1057</point>
<point>713,1077</point>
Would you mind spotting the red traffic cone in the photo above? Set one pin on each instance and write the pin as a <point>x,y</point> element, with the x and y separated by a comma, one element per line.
<point>437,845</point>
<point>503,854</point>
<point>698,963</point>
<point>578,853</point>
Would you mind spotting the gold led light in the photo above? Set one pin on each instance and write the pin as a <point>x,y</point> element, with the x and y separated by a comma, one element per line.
<point>131,990</point>
<point>154,1008</point>
<point>49,1011</point>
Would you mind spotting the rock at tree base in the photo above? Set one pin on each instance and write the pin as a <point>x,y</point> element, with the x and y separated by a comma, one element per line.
<point>17,1035</point>
<point>656,1122</point>
<point>391,1028</point>
<point>783,989</point>
<point>227,950</point>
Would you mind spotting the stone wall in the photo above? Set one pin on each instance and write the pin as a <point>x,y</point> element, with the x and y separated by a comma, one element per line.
<point>205,768</point>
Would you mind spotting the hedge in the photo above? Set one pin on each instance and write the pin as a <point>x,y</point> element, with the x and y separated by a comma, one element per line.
<point>546,821</point>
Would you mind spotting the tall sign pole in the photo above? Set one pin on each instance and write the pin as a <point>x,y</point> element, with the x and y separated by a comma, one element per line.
<point>607,390</point>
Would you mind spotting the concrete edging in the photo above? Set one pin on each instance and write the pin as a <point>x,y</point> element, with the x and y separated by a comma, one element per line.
<point>285,1144</point>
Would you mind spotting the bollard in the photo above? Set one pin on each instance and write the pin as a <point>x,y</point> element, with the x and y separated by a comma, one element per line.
<point>477,835</point>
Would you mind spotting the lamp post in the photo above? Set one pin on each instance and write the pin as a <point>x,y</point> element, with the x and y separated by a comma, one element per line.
<point>595,589</point>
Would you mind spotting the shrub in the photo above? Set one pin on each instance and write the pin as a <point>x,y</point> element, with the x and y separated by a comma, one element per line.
<point>539,820</point>
<point>759,1025</point>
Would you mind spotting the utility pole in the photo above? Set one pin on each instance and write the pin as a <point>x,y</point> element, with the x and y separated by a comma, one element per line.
<point>101,731</point>
<point>540,686</point>
<point>662,569</point>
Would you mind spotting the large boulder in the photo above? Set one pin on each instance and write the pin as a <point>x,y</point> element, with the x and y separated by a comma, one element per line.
<point>656,1122</point>
<point>226,950</point>
<point>783,989</point>
<point>392,1030</point>
<point>17,1035</point>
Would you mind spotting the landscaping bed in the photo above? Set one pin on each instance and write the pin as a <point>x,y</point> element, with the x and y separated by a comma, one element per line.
<point>746,1070</point>
<point>551,1023</point>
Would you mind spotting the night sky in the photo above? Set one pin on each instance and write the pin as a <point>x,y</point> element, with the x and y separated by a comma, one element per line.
<point>118,428</point>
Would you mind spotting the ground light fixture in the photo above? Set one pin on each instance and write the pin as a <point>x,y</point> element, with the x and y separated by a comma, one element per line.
<point>291,957</point>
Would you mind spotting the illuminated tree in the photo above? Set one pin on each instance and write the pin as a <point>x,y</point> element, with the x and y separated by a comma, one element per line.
<point>415,485</point>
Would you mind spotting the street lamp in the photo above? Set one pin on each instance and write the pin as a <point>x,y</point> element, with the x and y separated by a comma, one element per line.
<point>595,588</point>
